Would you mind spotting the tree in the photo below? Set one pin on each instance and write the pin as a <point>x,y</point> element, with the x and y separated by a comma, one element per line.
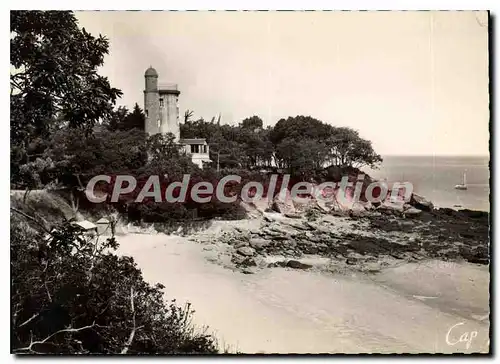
<point>301,144</point>
<point>253,123</point>
<point>54,74</point>
<point>257,149</point>
<point>301,158</point>
<point>76,158</point>
<point>116,118</point>
<point>299,127</point>
<point>166,157</point>
<point>347,148</point>
<point>188,115</point>
<point>199,129</point>
<point>304,144</point>
<point>246,145</point>
<point>162,147</point>
<point>134,120</point>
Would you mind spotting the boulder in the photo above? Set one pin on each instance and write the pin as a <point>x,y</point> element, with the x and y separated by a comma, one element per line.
<point>277,264</point>
<point>257,243</point>
<point>307,206</point>
<point>412,212</point>
<point>238,259</point>
<point>295,264</point>
<point>280,230</point>
<point>246,251</point>
<point>357,214</point>
<point>351,261</point>
<point>241,244</point>
<point>421,203</point>
<point>391,208</point>
<point>283,206</point>
<point>325,205</point>
<point>251,211</point>
<point>268,233</point>
<point>475,214</point>
<point>243,261</point>
<point>262,205</point>
<point>344,200</point>
<point>367,205</point>
<point>249,262</point>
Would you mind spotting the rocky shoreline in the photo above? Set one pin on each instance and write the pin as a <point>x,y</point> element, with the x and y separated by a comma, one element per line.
<point>366,239</point>
<point>362,237</point>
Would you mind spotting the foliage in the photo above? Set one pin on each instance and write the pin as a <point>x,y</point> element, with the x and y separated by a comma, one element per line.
<point>253,123</point>
<point>347,148</point>
<point>72,295</point>
<point>54,85</point>
<point>301,145</point>
<point>244,146</point>
<point>122,119</point>
<point>54,73</point>
<point>299,128</point>
<point>116,118</point>
<point>301,159</point>
<point>35,174</point>
<point>77,157</point>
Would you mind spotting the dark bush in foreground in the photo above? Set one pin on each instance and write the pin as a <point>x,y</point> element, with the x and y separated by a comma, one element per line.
<point>71,295</point>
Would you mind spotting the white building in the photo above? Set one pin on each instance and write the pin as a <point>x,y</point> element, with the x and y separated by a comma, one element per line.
<point>161,105</point>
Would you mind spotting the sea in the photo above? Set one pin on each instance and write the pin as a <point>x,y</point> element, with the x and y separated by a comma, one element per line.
<point>434,177</point>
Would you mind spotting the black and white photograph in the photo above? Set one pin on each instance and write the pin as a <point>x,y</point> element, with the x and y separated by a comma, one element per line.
<point>250,182</point>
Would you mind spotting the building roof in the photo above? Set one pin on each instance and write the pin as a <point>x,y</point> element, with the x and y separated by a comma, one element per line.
<point>168,86</point>
<point>194,141</point>
<point>151,72</point>
<point>163,91</point>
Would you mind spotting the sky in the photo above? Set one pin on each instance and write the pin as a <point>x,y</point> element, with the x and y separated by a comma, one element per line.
<point>414,83</point>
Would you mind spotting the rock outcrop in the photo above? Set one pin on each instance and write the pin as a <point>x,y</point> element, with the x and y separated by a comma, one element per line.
<point>360,241</point>
<point>246,251</point>
<point>361,234</point>
<point>421,203</point>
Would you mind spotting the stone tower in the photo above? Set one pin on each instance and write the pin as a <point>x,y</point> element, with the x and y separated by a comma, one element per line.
<point>161,105</point>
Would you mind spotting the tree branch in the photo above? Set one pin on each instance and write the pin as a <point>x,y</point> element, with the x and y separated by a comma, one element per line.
<point>29,320</point>
<point>135,328</point>
<point>31,218</point>
<point>46,340</point>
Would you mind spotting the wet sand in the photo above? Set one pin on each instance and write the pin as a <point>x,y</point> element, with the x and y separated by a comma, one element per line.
<point>413,308</point>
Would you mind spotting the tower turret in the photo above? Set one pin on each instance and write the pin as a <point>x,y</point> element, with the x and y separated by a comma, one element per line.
<point>151,102</point>
<point>151,77</point>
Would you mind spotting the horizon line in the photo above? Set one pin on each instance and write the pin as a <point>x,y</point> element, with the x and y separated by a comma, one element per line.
<point>437,155</point>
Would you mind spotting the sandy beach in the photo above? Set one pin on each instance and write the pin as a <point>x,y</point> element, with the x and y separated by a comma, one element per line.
<point>425,307</point>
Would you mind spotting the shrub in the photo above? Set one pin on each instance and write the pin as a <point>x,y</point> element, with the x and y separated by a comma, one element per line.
<point>72,295</point>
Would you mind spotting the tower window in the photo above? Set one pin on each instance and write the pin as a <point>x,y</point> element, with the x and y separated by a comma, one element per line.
<point>147,113</point>
<point>161,102</point>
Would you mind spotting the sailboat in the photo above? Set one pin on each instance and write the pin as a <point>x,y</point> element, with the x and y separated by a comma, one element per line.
<point>463,185</point>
